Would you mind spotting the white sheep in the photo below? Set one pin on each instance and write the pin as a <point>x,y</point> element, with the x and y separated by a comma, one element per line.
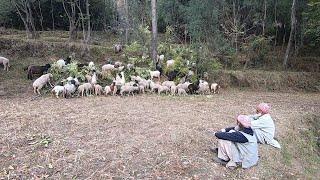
<point>88,77</point>
<point>40,82</point>
<point>117,48</point>
<point>215,88</point>
<point>61,63</point>
<point>5,63</point>
<point>57,90</point>
<point>154,86</point>
<point>91,65</point>
<point>173,90</point>
<point>85,88</point>
<point>69,88</point>
<point>203,88</point>
<point>126,89</point>
<point>97,89</point>
<point>107,67</point>
<point>181,92</point>
<point>160,58</point>
<point>155,74</point>
<point>142,89</point>
<point>170,63</point>
<point>184,86</point>
<point>164,89</point>
<point>107,90</point>
<point>168,83</point>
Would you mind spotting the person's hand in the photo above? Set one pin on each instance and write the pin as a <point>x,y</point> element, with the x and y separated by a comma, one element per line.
<point>223,130</point>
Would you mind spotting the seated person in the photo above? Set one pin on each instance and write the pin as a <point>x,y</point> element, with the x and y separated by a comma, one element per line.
<point>237,145</point>
<point>263,126</point>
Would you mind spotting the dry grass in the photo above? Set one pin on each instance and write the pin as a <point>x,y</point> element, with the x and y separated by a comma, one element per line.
<point>141,137</point>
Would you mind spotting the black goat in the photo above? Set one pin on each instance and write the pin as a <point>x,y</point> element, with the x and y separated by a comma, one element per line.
<point>39,70</point>
<point>159,68</point>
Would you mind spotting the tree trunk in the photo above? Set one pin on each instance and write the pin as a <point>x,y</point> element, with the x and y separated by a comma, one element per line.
<point>154,30</point>
<point>293,24</point>
<point>264,18</point>
<point>72,20</point>
<point>126,21</point>
<point>41,15</point>
<point>52,16</point>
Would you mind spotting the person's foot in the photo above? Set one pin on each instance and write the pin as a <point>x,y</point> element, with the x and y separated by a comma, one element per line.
<point>220,161</point>
<point>214,149</point>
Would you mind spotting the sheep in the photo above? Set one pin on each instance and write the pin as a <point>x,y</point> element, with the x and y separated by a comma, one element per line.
<point>94,78</point>
<point>168,83</point>
<point>155,74</point>
<point>215,88</point>
<point>84,88</point>
<point>97,89</point>
<point>181,92</point>
<point>37,70</point>
<point>117,48</point>
<point>154,86</point>
<point>173,90</point>
<point>130,66</point>
<point>62,63</point>
<point>120,68</point>
<point>91,65</point>
<point>160,58</point>
<point>107,68</point>
<point>127,89</point>
<point>40,82</point>
<point>88,78</point>
<point>170,63</point>
<point>107,90</point>
<point>118,63</point>
<point>203,87</point>
<point>57,90</point>
<point>163,89</point>
<point>5,62</point>
<point>142,89</point>
<point>120,80</point>
<point>69,88</point>
<point>184,86</point>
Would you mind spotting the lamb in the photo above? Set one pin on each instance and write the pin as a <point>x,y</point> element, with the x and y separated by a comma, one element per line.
<point>97,89</point>
<point>107,67</point>
<point>155,74</point>
<point>88,78</point>
<point>91,65</point>
<point>69,88</point>
<point>154,86</point>
<point>117,48</point>
<point>126,89</point>
<point>5,63</point>
<point>107,90</point>
<point>168,83</point>
<point>163,89</point>
<point>62,63</point>
<point>57,90</point>
<point>203,88</point>
<point>37,70</point>
<point>40,82</point>
<point>173,90</point>
<point>215,88</point>
<point>170,63</point>
<point>84,88</point>
<point>160,58</point>
<point>184,86</point>
<point>181,92</point>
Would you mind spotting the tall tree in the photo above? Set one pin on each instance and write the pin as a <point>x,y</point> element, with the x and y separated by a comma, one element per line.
<point>72,18</point>
<point>154,30</point>
<point>24,10</point>
<point>293,25</point>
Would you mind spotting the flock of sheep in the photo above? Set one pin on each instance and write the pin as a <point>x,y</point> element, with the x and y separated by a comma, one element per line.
<point>119,86</point>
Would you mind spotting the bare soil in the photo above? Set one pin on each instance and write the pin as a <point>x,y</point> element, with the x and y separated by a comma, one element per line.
<point>146,136</point>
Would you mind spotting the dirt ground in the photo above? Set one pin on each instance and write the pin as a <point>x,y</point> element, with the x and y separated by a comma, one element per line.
<point>143,137</point>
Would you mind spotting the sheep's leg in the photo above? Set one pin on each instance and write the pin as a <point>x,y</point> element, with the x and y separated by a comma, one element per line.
<point>35,90</point>
<point>38,90</point>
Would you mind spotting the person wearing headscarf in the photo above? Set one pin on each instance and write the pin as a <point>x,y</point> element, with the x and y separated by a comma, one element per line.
<point>263,126</point>
<point>237,145</point>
